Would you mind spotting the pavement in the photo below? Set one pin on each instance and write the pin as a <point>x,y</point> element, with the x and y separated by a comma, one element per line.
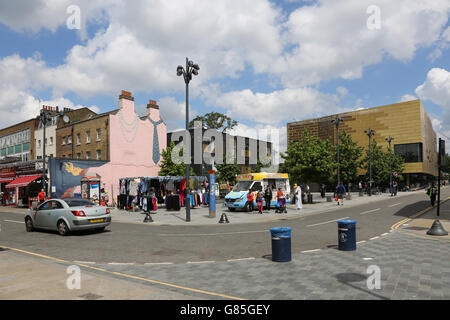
<point>411,265</point>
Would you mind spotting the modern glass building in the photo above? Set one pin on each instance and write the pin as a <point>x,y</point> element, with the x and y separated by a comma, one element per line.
<point>407,122</point>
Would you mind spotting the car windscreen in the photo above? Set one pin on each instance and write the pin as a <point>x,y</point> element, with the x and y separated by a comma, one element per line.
<point>242,186</point>
<point>79,203</point>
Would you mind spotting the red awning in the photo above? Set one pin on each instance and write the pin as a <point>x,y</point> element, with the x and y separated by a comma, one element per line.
<point>23,181</point>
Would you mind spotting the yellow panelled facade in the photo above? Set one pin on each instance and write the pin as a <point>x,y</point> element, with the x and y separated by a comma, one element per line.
<point>406,122</point>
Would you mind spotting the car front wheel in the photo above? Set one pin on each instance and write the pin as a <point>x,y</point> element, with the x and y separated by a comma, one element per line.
<point>63,229</point>
<point>29,225</point>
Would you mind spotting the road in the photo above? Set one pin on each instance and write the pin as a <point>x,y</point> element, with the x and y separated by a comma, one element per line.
<point>124,243</point>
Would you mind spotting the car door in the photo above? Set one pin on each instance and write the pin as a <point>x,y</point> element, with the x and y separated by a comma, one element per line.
<point>57,211</point>
<point>41,215</point>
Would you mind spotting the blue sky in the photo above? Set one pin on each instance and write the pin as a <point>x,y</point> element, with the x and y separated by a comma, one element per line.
<point>263,63</point>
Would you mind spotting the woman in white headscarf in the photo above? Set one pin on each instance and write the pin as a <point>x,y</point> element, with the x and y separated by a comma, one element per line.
<point>298,194</point>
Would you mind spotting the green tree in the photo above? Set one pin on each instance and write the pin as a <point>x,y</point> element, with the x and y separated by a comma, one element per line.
<point>227,172</point>
<point>169,167</point>
<point>380,165</point>
<point>215,120</point>
<point>350,158</point>
<point>311,160</point>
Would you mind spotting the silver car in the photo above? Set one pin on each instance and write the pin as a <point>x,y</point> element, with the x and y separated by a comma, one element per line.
<point>68,214</point>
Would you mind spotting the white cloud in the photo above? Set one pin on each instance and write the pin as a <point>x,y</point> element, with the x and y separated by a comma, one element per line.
<point>331,39</point>
<point>407,97</point>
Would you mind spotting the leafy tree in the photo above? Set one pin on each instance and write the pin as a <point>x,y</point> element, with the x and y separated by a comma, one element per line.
<point>169,167</point>
<point>215,120</point>
<point>349,157</point>
<point>380,165</point>
<point>227,172</point>
<point>311,160</point>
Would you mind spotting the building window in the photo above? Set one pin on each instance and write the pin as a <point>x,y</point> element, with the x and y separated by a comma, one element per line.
<point>63,142</point>
<point>99,154</point>
<point>39,144</point>
<point>69,139</point>
<point>78,155</point>
<point>51,141</point>
<point>88,137</point>
<point>26,157</point>
<point>18,148</point>
<point>26,146</point>
<point>10,150</point>
<point>411,152</point>
<point>4,152</point>
<point>78,139</point>
<point>88,155</point>
<point>99,134</point>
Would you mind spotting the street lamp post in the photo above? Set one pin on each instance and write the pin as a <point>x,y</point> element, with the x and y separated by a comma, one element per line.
<point>191,69</point>
<point>44,119</point>
<point>389,139</point>
<point>336,123</point>
<point>370,133</point>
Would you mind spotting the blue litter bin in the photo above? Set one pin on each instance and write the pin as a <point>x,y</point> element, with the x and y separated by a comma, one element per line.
<point>281,244</point>
<point>347,235</point>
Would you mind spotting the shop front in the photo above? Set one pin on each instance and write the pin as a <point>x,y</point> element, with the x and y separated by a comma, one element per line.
<point>6,176</point>
<point>22,188</point>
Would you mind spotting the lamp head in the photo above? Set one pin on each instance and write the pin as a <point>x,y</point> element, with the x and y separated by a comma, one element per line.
<point>194,71</point>
<point>196,67</point>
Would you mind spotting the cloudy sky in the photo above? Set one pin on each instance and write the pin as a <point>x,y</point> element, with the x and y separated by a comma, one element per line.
<point>264,63</point>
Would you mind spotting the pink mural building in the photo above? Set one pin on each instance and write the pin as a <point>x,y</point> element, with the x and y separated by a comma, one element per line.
<point>135,144</point>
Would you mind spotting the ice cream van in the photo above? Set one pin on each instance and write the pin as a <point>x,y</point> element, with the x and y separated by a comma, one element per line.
<point>237,198</point>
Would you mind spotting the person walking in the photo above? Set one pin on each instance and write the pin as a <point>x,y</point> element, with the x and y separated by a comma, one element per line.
<point>250,200</point>
<point>268,197</point>
<point>260,200</point>
<point>298,192</point>
<point>41,196</point>
<point>340,192</point>
<point>432,192</point>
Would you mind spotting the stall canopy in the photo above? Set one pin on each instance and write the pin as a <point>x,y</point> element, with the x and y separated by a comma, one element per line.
<point>23,181</point>
<point>4,180</point>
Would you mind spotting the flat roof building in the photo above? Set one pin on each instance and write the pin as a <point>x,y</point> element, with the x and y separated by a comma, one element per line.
<point>407,122</point>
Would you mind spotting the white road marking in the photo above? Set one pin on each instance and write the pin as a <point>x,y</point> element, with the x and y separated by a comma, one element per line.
<point>157,263</point>
<point>395,204</point>
<point>385,234</point>
<point>209,234</point>
<point>241,259</point>
<point>84,262</point>
<point>199,262</point>
<point>14,221</point>
<point>361,241</point>
<point>314,250</point>
<point>374,238</point>
<point>370,211</point>
<point>318,224</point>
<point>367,259</point>
<point>121,263</point>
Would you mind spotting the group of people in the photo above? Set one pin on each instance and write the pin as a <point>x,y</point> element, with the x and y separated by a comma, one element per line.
<point>260,197</point>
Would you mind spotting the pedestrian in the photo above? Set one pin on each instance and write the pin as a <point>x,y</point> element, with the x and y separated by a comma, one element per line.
<point>322,190</point>
<point>260,200</point>
<point>250,200</point>
<point>41,196</point>
<point>360,187</point>
<point>268,197</point>
<point>432,194</point>
<point>340,192</point>
<point>298,192</point>
<point>395,185</point>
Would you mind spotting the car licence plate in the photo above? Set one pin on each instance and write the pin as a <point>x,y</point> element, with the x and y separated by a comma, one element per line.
<point>96,220</point>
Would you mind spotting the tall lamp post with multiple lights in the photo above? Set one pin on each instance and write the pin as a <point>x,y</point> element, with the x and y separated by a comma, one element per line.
<point>44,117</point>
<point>191,69</point>
<point>391,187</point>
<point>336,123</point>
<point>370,133</point>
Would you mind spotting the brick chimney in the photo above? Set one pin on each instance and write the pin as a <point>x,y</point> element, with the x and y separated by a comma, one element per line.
<point>153,110</point>
<point>126,100</point>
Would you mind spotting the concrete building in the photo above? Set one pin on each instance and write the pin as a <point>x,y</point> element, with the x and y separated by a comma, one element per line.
<point>407,122</point>
<point>247,151</point>
<point>16,141</point>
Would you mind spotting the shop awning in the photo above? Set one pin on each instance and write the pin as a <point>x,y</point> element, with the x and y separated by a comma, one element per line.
<point>23,181</point>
